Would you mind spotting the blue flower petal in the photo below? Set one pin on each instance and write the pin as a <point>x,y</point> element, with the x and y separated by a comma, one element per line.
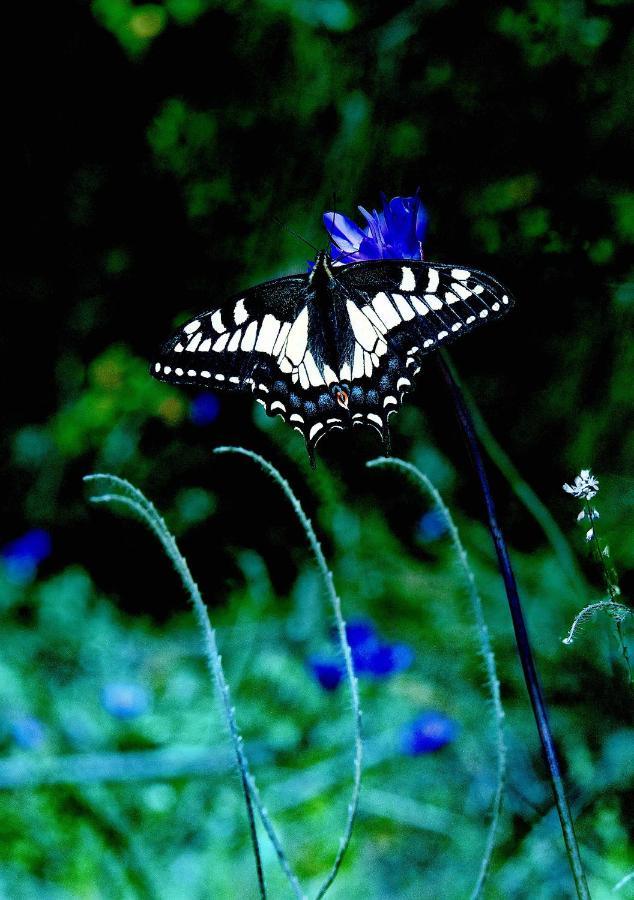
<point>32,547</point>
<point>432,525</point>
<point>28,732</point>
<point>429,732</point>
<point>204,409</point>
<point>382,660</point>
<point>359,632</point>
<point>346,234</point>
<point>395,232</point>
<point>328,672</point>
<point>125,700</point>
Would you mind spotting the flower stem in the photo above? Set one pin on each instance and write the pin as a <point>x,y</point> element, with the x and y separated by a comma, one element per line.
<point>521,636</point>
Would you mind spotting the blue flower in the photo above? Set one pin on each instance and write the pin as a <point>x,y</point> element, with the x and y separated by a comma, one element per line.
<point>432,525</point>
<point>204,409</point>
<point>429,732</point>
<point>328,672</point>
<point>23,555</point>
<point>360,632</point>
<point>395,232</point>
<point>125,700</point>
<point>28,732</point>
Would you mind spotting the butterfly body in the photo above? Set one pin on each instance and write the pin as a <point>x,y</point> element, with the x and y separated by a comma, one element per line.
<point>336,347</point>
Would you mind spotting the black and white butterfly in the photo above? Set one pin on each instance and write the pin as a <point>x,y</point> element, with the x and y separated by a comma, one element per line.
<point>336,347</point>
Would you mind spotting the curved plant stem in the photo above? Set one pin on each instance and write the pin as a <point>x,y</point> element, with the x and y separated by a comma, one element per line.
<point>137,502</point>
<point>521,637</point>
<point>343,641</point>
<point>522,489</point>
<point>424,484</point>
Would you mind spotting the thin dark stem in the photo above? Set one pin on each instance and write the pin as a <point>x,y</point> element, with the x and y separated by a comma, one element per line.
<point>521,635</point>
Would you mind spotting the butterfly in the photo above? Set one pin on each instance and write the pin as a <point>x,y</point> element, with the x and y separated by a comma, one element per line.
<point>335,347</point>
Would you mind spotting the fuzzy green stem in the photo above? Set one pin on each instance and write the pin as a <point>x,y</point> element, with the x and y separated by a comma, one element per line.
<point>139,504</point>
<point>424,484</point>
<point>345,648</point>
<point>521,636</point>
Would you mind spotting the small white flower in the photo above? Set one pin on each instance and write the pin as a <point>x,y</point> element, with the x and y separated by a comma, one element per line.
<point>581,515</point>
<point>585,486</point>
<point>589,534</point>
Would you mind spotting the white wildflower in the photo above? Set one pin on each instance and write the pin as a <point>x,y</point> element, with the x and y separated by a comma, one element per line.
<point>589,534</point>
<point>581,515</point>
<point>584,487</point>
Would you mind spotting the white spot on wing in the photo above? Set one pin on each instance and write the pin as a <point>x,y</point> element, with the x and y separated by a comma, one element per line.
<point>403,306</point>
<point>303,377</point>
<point>329,376</point>
<point>403,382</point>
<point>221,343</point>
<point>408,282</point>
<point>460,274</point>
<point>428,343</point>
<point>216,322</point>
<point>235,340</point>
<point>277,404</point>
<point>357,363</point>
<point>240,314</point>
<point>179,347</point>
<point>248,341</point>
<point>269,330</point>
<point>367,363</point>
<point>313,431</point>
<point>372,316</point>
<point>205,347</point>
<point>314,375</point>
<point>385,310</point>
<point>295,417</point>
<point>442,335</point>
<point>434,279</point>
<point>390,400</point>
<point>279,343</point>
<point>345,374</point>
<point>195,341</point>
<point>167,369</point>
<point>298,338</point>
<point>495,307</point>
<point>191,328</point>
<point>419,306</point>
<point>205,374</point>
<point>463,292</point>
<point>191,373</point>
<point>484,313</point>
<point>157,367</point>
<point>433,301</point>
<point>363,330</point>
<point>178,372</point>
<point>374,418</point>
<point>457,326</point>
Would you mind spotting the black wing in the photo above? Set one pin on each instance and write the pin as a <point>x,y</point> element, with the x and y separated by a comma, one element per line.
<point>263,340</point>
<point>401,310</point>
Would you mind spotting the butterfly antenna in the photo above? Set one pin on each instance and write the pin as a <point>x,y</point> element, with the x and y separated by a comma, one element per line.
<point>294,233</point>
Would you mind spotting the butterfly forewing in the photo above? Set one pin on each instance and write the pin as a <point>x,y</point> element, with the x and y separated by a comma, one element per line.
<point>431,303</point>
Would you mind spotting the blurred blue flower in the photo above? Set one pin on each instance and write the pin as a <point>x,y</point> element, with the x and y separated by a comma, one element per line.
<point>328,672</point>
<point>125,700</point>
<point>360,632</point>
<point>23,555</point>
<point>371,657</point>
<point>204,409</point>
<point>27,732</point>
<point>395,232</point>
<point>381,660</point>
<point>432,525</point>
<point>429,732</point>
